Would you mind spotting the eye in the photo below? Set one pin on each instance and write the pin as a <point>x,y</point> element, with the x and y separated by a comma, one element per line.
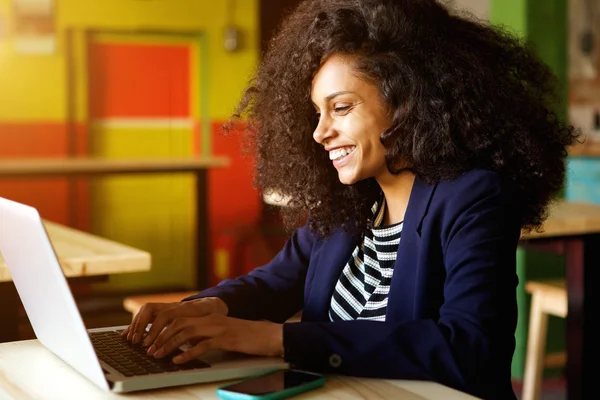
<point>341,109</point>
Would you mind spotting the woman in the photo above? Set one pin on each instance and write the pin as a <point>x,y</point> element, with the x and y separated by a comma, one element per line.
<point>419,144</point>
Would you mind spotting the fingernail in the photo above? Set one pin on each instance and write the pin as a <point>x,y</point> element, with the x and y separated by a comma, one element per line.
<point>151,350</point>
<point>159,353</point>
<point>146,342</point>
<point>136,338</point>
<point>177,359</point>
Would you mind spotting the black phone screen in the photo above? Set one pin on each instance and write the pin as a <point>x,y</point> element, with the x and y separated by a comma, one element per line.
<point>274,382</point>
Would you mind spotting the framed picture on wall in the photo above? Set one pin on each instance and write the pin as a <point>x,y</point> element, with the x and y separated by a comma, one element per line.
<point>34,28</point>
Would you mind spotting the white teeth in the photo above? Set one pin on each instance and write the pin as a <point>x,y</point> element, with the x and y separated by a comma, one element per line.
<point>341,152</point>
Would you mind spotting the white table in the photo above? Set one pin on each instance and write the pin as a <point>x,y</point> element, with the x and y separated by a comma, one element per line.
<point>29,371</point>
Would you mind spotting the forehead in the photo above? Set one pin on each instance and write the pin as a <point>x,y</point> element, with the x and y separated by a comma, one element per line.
<point>336,74</point>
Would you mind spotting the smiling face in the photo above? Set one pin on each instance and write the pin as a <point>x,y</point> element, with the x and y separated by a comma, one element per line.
<point>352,117</point>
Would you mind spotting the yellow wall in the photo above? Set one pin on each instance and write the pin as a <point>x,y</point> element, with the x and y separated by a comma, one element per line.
<point>34,87</point>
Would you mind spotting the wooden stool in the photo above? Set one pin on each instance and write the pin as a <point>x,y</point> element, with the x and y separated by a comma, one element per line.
<point>134,303</point>
<point>547,298</point>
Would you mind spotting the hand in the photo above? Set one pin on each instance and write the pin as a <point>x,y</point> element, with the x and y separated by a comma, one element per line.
<point>162,314</point>
<point>218,332</point>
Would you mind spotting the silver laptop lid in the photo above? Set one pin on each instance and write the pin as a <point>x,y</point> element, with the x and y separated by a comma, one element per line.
<point>44,290</point>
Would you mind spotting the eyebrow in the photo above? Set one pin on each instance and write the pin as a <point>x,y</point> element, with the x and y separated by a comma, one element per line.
<point>336,94</point>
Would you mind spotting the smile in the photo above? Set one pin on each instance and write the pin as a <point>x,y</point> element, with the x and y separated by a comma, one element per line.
<point>341,153</point>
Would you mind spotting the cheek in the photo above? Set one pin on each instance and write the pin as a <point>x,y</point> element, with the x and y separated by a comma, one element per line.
<point>366,132</point>
<point>374,158</point>
<point>374,147</point>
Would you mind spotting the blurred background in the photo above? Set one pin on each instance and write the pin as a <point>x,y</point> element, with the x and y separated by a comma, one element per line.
<point>136,79</point>
<point>129,79</point>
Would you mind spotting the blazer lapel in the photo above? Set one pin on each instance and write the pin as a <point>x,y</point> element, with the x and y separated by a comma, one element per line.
<point>401,297</point>
<point>333,256</point>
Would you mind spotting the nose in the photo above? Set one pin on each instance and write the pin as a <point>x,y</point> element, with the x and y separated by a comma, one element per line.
<point>324,130</point>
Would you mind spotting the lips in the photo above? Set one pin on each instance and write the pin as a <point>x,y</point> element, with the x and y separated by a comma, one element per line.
<point>343,160</point>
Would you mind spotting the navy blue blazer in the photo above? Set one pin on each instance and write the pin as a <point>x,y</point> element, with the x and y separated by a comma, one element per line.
<point>452,308</point>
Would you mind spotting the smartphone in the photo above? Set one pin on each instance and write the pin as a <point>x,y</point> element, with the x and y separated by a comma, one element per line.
<point>274,385</point>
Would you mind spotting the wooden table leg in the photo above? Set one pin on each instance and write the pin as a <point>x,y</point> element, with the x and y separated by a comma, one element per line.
<point>9,312</point>
<point>582,256</point>
<point>202,237</point>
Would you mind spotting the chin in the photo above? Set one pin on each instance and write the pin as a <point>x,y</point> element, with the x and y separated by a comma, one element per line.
<point>347,180</point>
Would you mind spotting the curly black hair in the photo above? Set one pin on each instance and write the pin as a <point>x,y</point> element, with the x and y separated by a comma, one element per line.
<point>464,94</point>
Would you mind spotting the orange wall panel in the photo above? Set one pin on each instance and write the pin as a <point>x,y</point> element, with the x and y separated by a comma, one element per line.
<point>33,139</point>
<point>49,196</point>
<point>36,139</point>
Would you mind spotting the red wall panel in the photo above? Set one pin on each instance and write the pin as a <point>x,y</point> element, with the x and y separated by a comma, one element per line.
<point>235,208</point>
<point>233,200</point>
<point>139,81</point>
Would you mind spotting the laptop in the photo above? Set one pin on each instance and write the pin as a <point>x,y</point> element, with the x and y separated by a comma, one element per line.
<point>100,355</point>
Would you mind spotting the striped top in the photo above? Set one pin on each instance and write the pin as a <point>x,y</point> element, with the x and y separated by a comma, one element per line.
<point>363,288</point>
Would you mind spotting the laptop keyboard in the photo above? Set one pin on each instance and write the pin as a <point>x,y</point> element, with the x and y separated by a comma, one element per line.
<point>132,360</point>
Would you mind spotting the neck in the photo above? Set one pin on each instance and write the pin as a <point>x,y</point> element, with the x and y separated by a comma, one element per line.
<point>396,190</point>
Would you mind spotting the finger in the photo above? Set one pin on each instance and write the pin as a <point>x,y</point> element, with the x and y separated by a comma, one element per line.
<point>166,334</point>
<point>161,321</point>
<point>181,331</point>
<point>176,339</point>
<point>184,330</point>
<point>131,327</point>
<point>198,350</point>
<point>138,328</point>
<point>127,329</point>
<point>209,326</point>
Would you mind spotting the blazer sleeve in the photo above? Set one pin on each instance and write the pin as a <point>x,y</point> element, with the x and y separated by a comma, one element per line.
<point>272,292</point>
<point>475,329</point>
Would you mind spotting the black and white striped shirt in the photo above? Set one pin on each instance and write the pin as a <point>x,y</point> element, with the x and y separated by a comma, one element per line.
<point>363,287</point>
